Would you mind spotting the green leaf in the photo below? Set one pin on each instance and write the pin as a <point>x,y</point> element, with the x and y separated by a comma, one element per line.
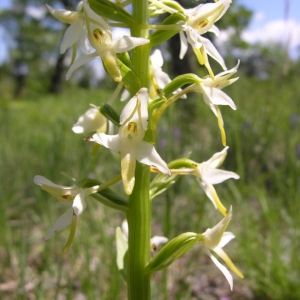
<point>108,112</point>
<point>110,10</point>
<point>173,250</point>
<point>161,36</point>
<point>131,81</point>
<point>179,81</point>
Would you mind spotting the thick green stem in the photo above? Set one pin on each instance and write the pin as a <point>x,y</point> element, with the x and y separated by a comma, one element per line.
<point>139,215</point>
<point>139,222</point>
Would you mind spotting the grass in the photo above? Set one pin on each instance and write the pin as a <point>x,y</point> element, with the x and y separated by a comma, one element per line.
<point>263,135</point>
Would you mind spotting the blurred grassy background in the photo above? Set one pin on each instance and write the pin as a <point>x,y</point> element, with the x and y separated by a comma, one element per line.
<point>263,135</point>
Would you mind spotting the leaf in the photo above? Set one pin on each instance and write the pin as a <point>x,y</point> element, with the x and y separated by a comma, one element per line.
<point>131,81</point>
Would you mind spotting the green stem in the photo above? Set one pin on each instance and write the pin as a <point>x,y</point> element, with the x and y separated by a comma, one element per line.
<point>139,223</point>
<point>139,215</point>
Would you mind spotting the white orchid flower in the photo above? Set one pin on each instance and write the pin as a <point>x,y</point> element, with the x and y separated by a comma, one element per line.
<point>161,78</point>
<point>100,38</point>
<point>73,196</point>
<point>129,142</point>
<point>214,96</point>
<point>91,120</point>
<point>76,32</point>
<point>215,239</point>
<point>155,242</point>
<point>209,175</point>
<point>200,20</point>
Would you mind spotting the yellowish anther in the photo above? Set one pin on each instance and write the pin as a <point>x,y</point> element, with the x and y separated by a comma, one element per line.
<point>99,36</point>
<point>201,24</point>
<point>71,235</point>
<point>68,197</point>
<point>131,130</point>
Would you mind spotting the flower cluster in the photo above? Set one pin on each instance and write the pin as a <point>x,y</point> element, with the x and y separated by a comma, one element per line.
<point>151,91</point>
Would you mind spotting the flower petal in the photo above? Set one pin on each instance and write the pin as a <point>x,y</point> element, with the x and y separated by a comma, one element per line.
<point>215,176</point>
<point>213,52</point>
<point>183,45</point>
<point>157,241</point>
<point>62,222</point>
<point>63,15</point>
<point>72,35</point>
<point>156,58</point>
<point>128,163</point>
<point>79,62</point>
<point>127,43</point>
<point>91,120</point>
<point>112,142</point>
<point>79,203</point>
<point>226,238</point>
<point>216,96</point>
<point>217,159</point>
<point>222,268</point>
<point>147,155</point>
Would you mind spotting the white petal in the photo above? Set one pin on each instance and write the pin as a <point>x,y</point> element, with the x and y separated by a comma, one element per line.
<point>127,111</point>
<point>91,120</point>
<point>157,60</point>
<point>72,35</point>
<point>147,155</point>
<point>127,43</point>
<point>213,52</point>
<point>124,227</point>
<point>162,78</point>
<point>216,97</point>
<point>217,159</point>
<point>93,15</point>
<point>79,203</point>
<point>215,176</point>
<point>84,42</point>
<point>226,238</point>
<point>222,268</point>
<point>125,95</point>
<point>62,222</point>
<point>231,71</point>
<point>112,142</point>
<point>43,181</point>
<point>79,62</point>
<point>183,45</point>
<point>214,29</point>
<point>63,15</point>
<point>158,240</point>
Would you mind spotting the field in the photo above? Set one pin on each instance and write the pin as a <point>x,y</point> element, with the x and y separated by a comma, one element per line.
<point>263,135</point>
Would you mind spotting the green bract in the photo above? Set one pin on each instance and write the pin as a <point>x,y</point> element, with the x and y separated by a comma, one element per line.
<point>172,251</point>
<point>110,10</point>
<point>161,36</point>
<point>130,80</point>
<point>109,112</point>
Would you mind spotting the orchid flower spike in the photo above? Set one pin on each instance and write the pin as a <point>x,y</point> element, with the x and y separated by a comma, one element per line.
<point>215,239</point>
<point>91,120</point>
<point>155,242</point>
<point>74,197</point>
<point>100,37</point>
<point>209,174</point>
<point>129,142</point>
